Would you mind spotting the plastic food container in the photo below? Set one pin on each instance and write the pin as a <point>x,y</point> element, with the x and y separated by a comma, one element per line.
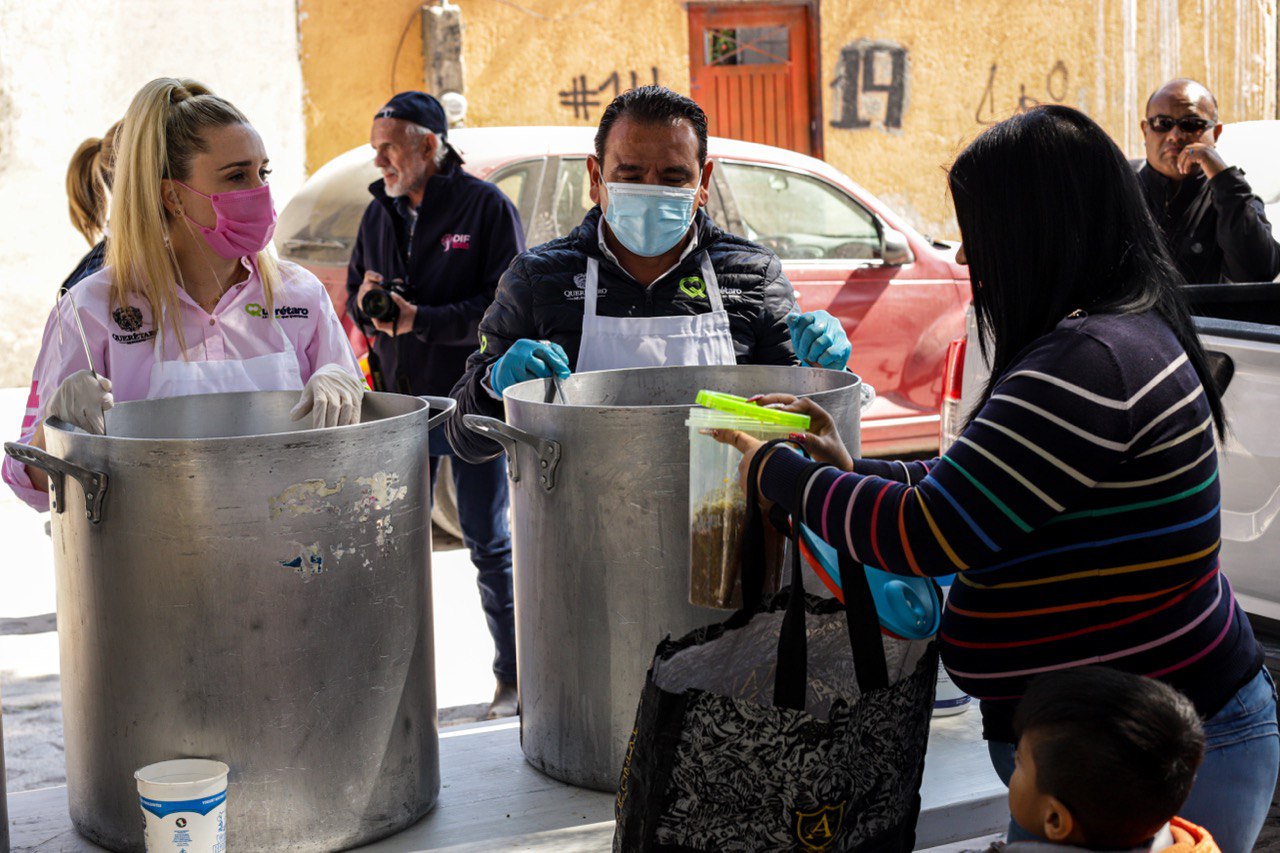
<point>717,504</point>
<point>908,607</point>
<point>184,805</point>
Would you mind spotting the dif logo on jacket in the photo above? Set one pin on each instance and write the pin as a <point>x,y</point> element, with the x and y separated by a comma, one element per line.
<point>451,242</point>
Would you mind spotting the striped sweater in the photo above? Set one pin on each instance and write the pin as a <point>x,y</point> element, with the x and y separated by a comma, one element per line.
<point>1080,510</point>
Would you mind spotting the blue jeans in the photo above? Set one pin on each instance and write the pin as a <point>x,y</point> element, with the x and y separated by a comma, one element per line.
<point>482,515</point>
<point>1236,780</point>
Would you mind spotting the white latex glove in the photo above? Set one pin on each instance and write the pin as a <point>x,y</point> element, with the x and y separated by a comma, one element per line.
<point>332,396</point>
<point>82,400</point>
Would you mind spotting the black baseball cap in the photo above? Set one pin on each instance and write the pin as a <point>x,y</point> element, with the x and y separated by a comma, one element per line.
<point>420,108</point>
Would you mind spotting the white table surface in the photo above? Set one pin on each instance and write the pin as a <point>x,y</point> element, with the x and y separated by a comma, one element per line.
<point>491,799</point>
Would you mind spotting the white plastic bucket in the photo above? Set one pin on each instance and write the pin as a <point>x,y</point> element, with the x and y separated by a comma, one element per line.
<point>184,805</point>
<point>949,699</point>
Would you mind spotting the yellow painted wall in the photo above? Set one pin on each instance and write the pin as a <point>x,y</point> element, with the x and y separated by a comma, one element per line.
<point>346,49</point>
<point>517,60</point>
<point>973,62</point>
<point>969,63</point>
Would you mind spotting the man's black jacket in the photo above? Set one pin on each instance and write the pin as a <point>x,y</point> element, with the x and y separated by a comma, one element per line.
<point>467,234</point>
<point>1216,230</point>
<point>541,297</point>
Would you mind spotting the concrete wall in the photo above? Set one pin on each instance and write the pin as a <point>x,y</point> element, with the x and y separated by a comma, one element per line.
<point>968,63</point>
<point>68,69</point>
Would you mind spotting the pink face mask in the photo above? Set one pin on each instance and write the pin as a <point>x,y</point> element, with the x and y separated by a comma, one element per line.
<point>246,221</point>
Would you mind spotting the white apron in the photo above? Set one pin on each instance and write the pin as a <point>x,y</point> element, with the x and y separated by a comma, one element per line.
<point>611,343</point>
<point>277,371</point>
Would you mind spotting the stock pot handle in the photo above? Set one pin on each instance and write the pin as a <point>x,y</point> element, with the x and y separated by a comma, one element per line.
<point>446,405</point>
<point>94,483</point>
<point>868,396</point>
<point>510,437</point>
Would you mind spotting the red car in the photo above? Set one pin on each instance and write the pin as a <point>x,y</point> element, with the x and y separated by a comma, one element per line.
<point>900,295</point>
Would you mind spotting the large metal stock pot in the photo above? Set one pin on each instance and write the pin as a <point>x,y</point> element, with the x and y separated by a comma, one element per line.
<point>231,586</point>
<point>600,503</point>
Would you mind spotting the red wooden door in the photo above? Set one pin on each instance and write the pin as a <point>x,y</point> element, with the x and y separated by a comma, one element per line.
<point>751,70</point>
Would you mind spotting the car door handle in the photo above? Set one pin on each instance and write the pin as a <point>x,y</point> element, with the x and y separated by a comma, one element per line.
<point>1221,368</point>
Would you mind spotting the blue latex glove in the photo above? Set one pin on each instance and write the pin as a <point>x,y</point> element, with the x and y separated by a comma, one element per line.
<point>819,340</point>
<point>528,360</point>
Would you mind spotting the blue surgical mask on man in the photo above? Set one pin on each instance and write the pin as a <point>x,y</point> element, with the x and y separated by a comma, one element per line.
<point>650,219</point>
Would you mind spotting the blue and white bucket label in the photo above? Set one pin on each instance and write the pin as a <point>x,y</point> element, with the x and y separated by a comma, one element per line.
<point>949,699</point>
<point>186,826</point>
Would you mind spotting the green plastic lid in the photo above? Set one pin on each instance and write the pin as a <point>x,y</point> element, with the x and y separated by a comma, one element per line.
<point>744,408</point>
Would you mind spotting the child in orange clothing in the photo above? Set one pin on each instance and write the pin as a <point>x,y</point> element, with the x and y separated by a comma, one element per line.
<point>1105,759</point>
<point>1189,838</point>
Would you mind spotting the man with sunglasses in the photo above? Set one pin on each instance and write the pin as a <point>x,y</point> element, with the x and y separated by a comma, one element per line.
<point>1213,224</point>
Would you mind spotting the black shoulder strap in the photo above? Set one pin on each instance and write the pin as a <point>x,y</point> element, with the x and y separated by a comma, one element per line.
<point>793,643</point>
<point>860,615</point>
<point>864,626</point>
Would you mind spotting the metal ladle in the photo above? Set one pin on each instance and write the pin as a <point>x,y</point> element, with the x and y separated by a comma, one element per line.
<point>555,381</point>
<point>84,339</point>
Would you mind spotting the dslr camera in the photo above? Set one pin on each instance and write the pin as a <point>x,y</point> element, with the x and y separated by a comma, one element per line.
<point>377,304</point>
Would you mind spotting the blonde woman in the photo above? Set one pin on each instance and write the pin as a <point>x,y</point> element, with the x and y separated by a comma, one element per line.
<point>89,177</point>
<point>190,300</point>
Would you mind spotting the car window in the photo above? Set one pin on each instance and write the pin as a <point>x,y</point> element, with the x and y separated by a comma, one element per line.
<point>572,197</point>
<point>319,224</point>
<point>798,216</point>
<point>520,183</point>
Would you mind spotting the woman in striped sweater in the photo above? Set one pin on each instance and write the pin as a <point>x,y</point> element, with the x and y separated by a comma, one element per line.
<point>1080,507</point>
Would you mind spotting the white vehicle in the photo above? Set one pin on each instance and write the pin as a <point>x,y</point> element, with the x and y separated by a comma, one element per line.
<point>1252,145</point>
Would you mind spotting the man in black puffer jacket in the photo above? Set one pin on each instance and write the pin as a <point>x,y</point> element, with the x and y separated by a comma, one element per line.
<point>646,280</point>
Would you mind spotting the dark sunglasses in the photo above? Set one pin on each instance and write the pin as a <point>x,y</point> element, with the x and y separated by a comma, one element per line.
<point>1186,124</point>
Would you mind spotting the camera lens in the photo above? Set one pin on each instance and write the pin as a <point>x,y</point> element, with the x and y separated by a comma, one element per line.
<point>377,305</point>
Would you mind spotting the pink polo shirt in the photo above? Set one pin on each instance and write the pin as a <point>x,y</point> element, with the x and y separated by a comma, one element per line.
<point>123,342</point>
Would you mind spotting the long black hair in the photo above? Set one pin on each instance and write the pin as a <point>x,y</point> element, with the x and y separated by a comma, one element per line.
<point>1053,220</point>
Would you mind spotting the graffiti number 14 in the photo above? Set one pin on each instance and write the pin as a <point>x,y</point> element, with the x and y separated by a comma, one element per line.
<point>877,69</point>
<point>581,98</point>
